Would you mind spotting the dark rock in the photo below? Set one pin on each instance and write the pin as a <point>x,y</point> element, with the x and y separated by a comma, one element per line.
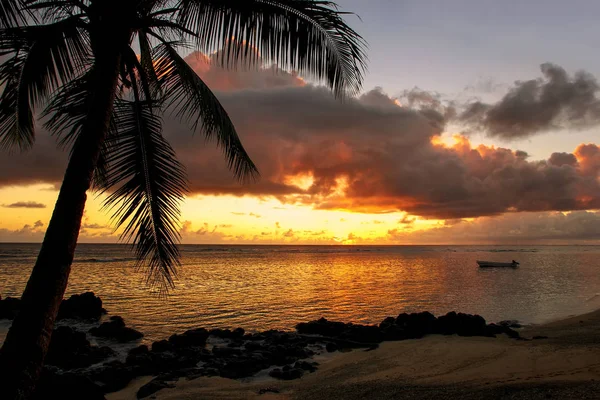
<point>191,338</point>
<point>268,390</point>
<point>461,324</point>
<point>70,349</point>
<point>191,373</point>
<point>111,377</point>
<point>321,327</point>
<point>162,345</point>
<point>152,387</point>
<point>9,308</point>
<point>67,386</point>
<point>82,306</point>
<point>115,329</point>
<point>351,332</point>
<point>511,323</point>
<point>306,366</point>
<point>225,351</point>
<point>331,347</point>
<point>413,326</point>
<point>539,337</point>
<point>389,321</point>
<point>395,332</point>
<point>241,368</point>
<point>253,346</point>
<point>493,329</point>
<point>237,333</point>
<point>362,334</point>
<point>512,333</point>
<point>286,373</point>
<point>141,349</point>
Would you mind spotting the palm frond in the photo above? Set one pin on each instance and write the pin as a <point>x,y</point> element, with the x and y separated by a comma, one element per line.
<point>309,36</point>
<point>192,100</point>
<point>145,184</point>
<point>11,13</point>
<point>43,58</point>
<point>68,109</point>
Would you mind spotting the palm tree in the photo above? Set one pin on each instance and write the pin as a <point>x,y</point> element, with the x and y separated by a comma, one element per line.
<point>104,71</point>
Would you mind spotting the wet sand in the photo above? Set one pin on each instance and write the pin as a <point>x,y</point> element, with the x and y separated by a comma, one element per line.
<point>564,366</point>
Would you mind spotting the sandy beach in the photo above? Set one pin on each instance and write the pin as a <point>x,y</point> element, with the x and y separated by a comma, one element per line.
<point>566,365</point>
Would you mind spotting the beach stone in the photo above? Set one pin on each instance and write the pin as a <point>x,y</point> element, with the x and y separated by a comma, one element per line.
<point>331,347</point>
<point>394,333</point>
<point>253,346</point>
<point>9,307</point>
<point>414,325</point>
<point>461,324</point>
<point>306,366</point>
<point>141,349</point>
<point>237,333</point>
<point>112,376</point>
<point>268,390</point>
<point>321,327</point>
<point>351,332</point>
<point>241,368</point>
<point>152,387</point>
<point>190,338</point>
<point>220,351</point>
<point>389,321</point>
<point>286,373</point>
<point>161,345</point>
<point>66,386</point>
<point>70,349</point>
<point>494,329</point>
<point>511,323</point>
<point>81,306</point>
<point>115,329</point>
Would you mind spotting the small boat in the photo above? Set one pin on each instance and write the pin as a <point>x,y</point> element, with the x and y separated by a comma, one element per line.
<point>491,264</point>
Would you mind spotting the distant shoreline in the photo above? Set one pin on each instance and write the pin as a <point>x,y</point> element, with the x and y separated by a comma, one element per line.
<point>341,245</point>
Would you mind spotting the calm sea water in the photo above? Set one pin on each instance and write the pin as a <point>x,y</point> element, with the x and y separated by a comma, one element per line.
<point>262,287</point>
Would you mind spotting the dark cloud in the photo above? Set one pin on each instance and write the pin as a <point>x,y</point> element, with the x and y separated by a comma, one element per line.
<point>24,204</point>
<point>556,101</point>
<point>369,154</point>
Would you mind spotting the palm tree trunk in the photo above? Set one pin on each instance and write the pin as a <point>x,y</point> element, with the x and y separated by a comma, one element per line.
<point>25,347</point>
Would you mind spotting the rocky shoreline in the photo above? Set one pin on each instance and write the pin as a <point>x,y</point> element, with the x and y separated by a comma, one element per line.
<point>77,369</point>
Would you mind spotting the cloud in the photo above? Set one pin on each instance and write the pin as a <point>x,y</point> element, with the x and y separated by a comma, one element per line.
<point>556,101</point>
<point>485,85</point>
<point>369,154</point>
<point>406,220</point>
<point>28,233</point>
<point>522,228</point>
<point>94,226</point>
<point>24,204</point>
<point>289,234</point>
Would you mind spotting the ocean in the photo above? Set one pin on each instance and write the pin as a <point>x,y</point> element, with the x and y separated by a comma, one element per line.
<point>265,287</point>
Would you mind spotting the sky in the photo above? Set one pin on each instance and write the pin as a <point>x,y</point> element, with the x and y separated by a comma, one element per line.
<point>479,122</point>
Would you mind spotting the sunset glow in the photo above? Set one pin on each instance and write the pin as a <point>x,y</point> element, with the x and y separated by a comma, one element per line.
<point>369,170</point>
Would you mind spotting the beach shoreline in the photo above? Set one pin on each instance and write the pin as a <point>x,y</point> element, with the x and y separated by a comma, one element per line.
<point>564,362</point>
